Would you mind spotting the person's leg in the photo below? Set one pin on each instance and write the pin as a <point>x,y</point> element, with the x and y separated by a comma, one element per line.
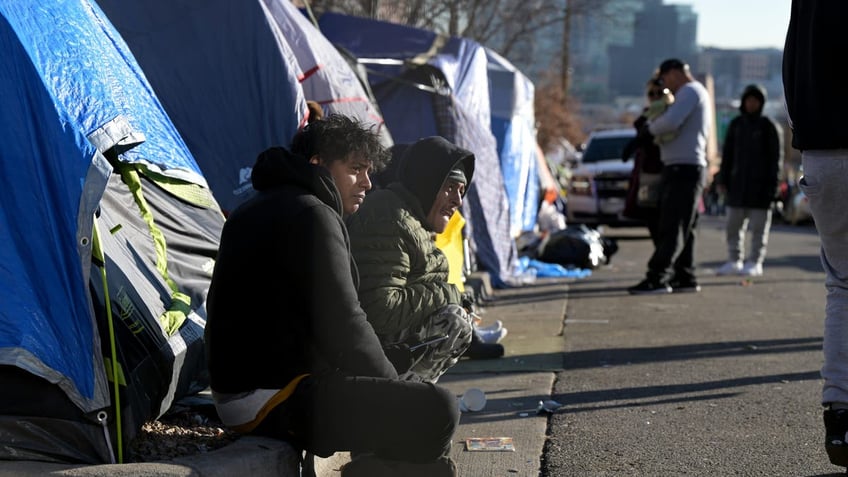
<point>454,322</point>
<point>392,419</point>
<point>823,183</point>
<point>682,186</point>
<point>759,224</point>
<point>735,233</point>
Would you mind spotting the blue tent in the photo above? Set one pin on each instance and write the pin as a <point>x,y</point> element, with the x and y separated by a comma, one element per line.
<point>427,84</point>
<point>234,75</point>
<point>514,127</point>
<point>98,269</point>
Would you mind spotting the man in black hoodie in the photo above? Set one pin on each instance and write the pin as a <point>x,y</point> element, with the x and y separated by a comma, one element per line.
<point>817,102</point>
<point>290,352</point>
<point>405,289</point>
<point>751,161</point>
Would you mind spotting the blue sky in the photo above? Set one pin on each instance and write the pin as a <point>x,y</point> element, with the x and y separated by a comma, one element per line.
<point>740,23</point>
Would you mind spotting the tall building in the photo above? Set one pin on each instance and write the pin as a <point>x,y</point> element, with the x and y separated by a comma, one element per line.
<point>660,31</point>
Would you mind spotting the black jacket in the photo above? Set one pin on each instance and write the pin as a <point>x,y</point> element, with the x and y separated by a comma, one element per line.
<point>283,299</point>
<point>752,157</point>
<point>813,74</point>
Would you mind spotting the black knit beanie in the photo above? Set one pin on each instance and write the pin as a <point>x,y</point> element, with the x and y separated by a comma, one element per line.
<point>427,163</point>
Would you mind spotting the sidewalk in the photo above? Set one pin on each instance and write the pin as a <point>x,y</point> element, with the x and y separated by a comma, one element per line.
<point>514,385</point>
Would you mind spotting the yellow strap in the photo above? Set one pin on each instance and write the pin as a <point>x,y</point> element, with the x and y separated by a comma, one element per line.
<point>269,406</point>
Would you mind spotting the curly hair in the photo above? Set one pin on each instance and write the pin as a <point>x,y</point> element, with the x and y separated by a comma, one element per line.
<point>336,137</point>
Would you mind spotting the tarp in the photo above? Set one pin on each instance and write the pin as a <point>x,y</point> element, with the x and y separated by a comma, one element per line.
<point>427,84</point>
<point>513,124</point>
<point>75,105</point>
<point>234,76</point>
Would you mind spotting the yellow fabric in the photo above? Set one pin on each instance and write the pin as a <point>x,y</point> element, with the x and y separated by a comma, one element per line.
<point>450,243</point>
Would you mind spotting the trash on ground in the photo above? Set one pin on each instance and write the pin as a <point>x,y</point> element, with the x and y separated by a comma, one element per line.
<point>496,444</point>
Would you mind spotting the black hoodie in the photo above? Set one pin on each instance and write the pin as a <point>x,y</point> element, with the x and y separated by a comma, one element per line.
<point>752,156</point>
<point>283,299</point>
<point>814,75</point>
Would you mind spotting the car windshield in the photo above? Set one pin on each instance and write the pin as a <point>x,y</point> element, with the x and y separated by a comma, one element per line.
<point>605,148</point>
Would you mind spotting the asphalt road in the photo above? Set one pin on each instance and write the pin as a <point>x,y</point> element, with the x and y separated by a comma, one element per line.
<point>719,383</point>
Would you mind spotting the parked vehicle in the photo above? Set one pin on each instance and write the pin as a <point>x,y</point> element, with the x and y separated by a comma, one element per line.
<point>599,181</point>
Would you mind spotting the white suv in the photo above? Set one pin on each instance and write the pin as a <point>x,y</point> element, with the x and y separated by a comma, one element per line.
<point>599,182</point>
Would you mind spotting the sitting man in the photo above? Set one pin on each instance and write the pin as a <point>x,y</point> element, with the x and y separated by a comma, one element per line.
<point>404,286</point>
<point>290,352</point>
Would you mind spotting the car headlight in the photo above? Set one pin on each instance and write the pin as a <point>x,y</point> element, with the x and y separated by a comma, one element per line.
<point>580,185</point>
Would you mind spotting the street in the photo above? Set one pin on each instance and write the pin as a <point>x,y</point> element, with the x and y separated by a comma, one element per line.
<point>723,382</point>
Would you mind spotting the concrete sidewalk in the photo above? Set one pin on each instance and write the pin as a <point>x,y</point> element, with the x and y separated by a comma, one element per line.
<point>514,386</point>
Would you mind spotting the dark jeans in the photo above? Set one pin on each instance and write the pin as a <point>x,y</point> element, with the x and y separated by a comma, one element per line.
<point>674,254</point>
<point>395,420</point>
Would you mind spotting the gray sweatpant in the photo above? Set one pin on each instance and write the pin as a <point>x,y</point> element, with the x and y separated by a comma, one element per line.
<point>825,176</point>
<point>758,222</point>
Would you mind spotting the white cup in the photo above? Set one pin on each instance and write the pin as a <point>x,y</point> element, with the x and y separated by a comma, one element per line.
<point>472,400</point>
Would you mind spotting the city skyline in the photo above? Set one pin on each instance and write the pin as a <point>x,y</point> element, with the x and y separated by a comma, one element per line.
<point>735,24</point>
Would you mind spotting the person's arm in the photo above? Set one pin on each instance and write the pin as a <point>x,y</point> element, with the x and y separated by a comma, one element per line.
<point>399,268</point>
<point>685,101</point>
<point>341,332</point>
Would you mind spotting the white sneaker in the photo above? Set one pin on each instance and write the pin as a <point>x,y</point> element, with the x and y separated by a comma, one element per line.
<point>491,336</point>
<point>730,268</point>
<point>752,269</point>
<point>496,326</point>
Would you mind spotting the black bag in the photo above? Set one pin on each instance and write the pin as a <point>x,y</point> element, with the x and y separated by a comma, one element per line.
<point>578,246</point>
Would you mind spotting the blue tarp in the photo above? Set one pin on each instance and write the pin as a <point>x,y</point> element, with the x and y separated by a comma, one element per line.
<point>427,84</point>
<point>234,75</point>
<point>74,99</point>
<point>513,124</point>
<point>68,81</point>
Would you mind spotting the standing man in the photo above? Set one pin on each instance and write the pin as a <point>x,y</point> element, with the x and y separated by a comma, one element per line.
<point>750,171</point>
<point>816,101</point>
<point>672,265</point>
<point>290,352</point>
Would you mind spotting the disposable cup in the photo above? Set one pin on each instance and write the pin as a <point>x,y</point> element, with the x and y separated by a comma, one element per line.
<point>473,400</point>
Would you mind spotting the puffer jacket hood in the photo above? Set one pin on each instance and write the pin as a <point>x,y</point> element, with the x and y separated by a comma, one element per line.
<point>426,164</point>
<point>753,90</point>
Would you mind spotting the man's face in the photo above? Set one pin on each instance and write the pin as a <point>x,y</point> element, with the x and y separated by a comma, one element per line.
<point>448,200</point>
<point>752,104</point>
<point>672,79</point>
<point>352,180</point>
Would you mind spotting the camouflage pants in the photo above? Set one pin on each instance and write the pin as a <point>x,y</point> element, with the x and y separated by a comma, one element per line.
<point>451,320</point>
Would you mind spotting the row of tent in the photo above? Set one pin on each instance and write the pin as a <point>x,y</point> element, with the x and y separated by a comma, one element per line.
<point>129,130</point>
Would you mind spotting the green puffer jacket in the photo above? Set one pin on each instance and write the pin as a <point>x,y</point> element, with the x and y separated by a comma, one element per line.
<point>403,275</point>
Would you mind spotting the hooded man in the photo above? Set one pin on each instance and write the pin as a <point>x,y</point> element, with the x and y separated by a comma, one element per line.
<point>751,162</point>
<point>289,350</point>
<point>404,287</point>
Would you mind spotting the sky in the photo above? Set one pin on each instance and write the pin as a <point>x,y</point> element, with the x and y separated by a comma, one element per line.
<point>740,23</point>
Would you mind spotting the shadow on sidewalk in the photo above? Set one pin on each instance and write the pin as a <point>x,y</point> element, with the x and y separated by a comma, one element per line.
<point>597,358</point>
<point>593,398</point>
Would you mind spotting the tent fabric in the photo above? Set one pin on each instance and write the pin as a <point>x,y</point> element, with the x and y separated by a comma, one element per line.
<point>235,75</point>
<point>425,85</point>
<point>225,74</point>
<point>326,75</point>
<point>75,103</point>
<point>513,124</point>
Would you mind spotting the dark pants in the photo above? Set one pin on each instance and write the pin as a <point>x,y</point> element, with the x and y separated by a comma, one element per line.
<point>674,254</point>
<point>395,420</point>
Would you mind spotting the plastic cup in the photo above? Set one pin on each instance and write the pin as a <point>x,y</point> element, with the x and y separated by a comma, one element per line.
<point>472,400</point>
